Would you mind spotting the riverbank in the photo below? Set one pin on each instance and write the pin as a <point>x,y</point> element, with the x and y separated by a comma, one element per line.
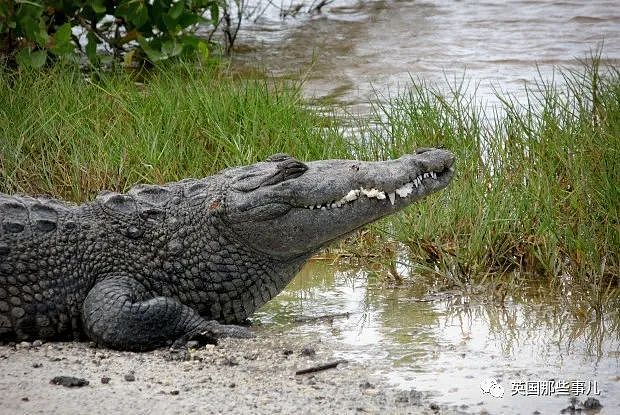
<point>535,195</point>
<point>236,377</point>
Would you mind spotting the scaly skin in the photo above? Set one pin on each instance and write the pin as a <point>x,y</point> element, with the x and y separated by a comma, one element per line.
<point>165,264</point>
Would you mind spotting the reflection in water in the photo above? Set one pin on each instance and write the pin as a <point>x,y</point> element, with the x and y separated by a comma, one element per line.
<point>445,345</point>
<point>355,46</point>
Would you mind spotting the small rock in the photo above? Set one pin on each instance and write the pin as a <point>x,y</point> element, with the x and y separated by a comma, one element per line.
<point>37,343</point>
<point>130,377</point>
<point>308,351</point>
<point>366,385</point>
<point>412,396</point>
<point>570,409</point>
<point>434,406</point>
<point>92,345</point>
<point>105,380</point>
<point>287,352</point>
<point>229,361</point>
<point>537,412</point>
<point>37,365</point>
<point>592,403</point>
<point>25,399</point>
<point>25,345</point>
<point>232,385</point>
<point>69,381</point>
<point>193,344</point>
<point>174,392</point>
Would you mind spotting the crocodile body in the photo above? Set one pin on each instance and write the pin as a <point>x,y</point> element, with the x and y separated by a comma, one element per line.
<point>167,263</point>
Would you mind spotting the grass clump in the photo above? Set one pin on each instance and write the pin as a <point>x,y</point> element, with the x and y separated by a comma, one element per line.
<point>70,136</point>
<point>537,189</point>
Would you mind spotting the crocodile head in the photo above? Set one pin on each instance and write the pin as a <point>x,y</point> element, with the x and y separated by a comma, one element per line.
<point>285,208</point>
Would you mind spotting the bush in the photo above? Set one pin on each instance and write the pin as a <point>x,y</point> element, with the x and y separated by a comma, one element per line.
<point>33,32</point>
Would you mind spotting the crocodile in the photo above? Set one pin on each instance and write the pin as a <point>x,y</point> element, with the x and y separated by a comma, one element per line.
<point>164,264</point>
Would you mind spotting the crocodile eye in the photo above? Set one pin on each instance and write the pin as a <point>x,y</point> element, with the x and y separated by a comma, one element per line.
<point>279,157</point>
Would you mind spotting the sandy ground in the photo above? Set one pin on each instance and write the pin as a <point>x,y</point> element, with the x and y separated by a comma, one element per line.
<point>255,376</point>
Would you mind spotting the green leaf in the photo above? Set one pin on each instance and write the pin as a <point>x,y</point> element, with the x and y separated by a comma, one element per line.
<point>63,33</point>
<point>151,49</point>
<point>62,44</point>
<point>203,50</point>
<point>97,6</point>
<point>32,27</point>
<point>188,19</point>
<point>134,11</point>
<point>91,49</point>
<point>215,12</point>
<point>38,58</point>
<point>29,59</point>
<point>176,9</point>
<point>171,48</point>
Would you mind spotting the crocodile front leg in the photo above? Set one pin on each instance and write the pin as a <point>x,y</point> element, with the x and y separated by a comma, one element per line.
<point>119,313</point>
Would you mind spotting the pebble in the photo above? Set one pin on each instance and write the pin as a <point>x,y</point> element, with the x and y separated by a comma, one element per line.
<point>130,377</point>
<point>308,351</point>
<point>105,380</point>
<point>592,403</point>
<point>69,381</point>
<point>37,343</point>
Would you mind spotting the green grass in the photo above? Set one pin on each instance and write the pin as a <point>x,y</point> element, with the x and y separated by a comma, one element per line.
<point>536,194</point>
<point>537,189</point>
<point>70,136</point>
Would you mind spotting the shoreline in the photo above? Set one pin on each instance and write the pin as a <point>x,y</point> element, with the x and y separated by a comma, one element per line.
<point>236,376</point>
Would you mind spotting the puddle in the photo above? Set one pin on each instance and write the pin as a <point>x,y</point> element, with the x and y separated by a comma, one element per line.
<point>446,345</point>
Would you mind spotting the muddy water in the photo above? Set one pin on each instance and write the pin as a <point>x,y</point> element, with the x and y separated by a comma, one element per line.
<point>356,49</point>
<point>444,346</point>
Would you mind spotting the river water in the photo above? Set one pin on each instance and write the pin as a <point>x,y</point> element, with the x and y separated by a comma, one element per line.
<point>445,345</point>
<point>354,49</point>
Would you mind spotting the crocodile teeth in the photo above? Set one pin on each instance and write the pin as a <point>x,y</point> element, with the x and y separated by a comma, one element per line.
<point>354,194</point>
<point>392,196</point>
<point>405,190</point>
<point>371,193</point>
<point>351,196</point>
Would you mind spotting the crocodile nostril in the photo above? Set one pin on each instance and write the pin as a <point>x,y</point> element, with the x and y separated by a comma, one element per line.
<point>279,157</point>
<point>292,165</point>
